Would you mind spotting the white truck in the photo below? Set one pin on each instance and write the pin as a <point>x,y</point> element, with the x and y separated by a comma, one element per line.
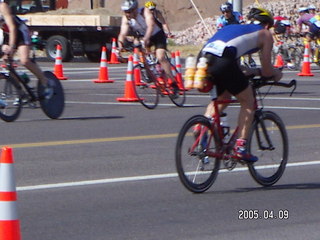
<point>78,34</point>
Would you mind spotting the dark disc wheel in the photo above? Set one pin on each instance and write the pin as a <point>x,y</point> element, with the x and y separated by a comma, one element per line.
<point>53,107</point>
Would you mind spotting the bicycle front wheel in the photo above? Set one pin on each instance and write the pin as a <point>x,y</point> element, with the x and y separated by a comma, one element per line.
<point>269,142</point>
<point>11,103</point>
<point>197,170</point>
<point>145,87</point>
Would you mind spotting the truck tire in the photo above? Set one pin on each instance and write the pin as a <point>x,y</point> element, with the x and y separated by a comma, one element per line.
<point>51,48</point>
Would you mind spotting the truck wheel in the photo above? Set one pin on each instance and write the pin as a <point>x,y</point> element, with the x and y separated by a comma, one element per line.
<point>51,48</point>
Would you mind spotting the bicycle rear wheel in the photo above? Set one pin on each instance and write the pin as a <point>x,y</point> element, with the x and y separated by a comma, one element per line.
<point>54,106</point>
<point>179,97</point>
<point>145,87</point>
<point>269,142</point>
<point>196,169</point>
<point>11,102</point>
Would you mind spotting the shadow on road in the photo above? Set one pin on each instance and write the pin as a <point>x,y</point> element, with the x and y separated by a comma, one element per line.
<point>302,186</point>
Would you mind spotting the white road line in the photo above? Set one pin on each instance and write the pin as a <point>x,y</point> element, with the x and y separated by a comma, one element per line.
<point>142,178</point>
<point>191,105</point>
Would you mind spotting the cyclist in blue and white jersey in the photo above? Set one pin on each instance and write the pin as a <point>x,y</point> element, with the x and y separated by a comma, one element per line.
<point>223,51</point>
<point>228,16</point>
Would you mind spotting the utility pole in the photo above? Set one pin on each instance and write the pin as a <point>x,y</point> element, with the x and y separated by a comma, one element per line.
<point>237,5</point>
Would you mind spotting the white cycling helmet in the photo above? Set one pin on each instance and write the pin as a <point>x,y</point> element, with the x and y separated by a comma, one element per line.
<point>129,5</point>
<point>303,9</point>
<point>312,7</point>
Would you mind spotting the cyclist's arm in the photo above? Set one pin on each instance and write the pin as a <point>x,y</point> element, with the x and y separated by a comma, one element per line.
<point>163,21</point>
<point>124,30</point>
<point>265,41</point>
<point>9,20</point>
<point>150,25</point>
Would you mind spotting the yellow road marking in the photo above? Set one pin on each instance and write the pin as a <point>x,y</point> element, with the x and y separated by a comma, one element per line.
<point>120,139</point>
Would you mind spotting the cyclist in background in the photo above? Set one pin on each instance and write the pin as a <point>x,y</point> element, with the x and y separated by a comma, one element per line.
<point>17,38</point>
<point>142,23</point>
<point>228,16</point>
<point>312,9</point>
<point>303,22</point>
<point>223,53</point>
<point>281,33</point>
<point>159,19</point>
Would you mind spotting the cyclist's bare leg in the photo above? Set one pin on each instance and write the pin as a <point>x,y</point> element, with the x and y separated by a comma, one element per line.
<point>210,108</point>
<point>246,113</point>
<point>24,53</point>
<point>161,56</point>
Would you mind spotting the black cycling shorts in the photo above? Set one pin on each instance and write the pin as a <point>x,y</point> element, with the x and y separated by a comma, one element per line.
<point>226,73</point>
<point>23,36</point>
<point>315,30</point>
<point>159,40</point>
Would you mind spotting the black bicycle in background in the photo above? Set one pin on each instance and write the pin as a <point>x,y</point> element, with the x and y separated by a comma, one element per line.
<point>16,91</point>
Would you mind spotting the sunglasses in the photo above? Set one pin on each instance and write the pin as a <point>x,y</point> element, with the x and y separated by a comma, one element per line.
<point>226,11</point>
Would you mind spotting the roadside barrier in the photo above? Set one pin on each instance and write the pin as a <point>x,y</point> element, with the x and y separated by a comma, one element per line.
<point>103,72</point>
<point>114,57</point>
<point>58,68</point>
<point>306,69</point>
<point>129,92</point>
<point>9,222</point>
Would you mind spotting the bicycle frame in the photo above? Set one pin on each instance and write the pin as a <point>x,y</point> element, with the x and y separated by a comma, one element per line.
<point>225,147</point>
<point>19,82</point>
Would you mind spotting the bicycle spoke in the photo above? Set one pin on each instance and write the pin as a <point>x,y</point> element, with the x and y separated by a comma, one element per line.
<point>197,171</point>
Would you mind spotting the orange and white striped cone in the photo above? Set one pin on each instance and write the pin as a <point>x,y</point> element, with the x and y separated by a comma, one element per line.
<point>129,92</point>
<point>179,69</point>
<point>103,72</point>
<point>114,57</point>
<point>306,68</point>
<point>136,71</point>
<point>58,68</point>
<point>9,222</point>
<point>279,61</point>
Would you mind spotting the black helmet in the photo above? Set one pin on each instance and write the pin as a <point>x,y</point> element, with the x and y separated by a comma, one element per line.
<point>261,15</point>
<point>226,7</point>
<point>129,5</point>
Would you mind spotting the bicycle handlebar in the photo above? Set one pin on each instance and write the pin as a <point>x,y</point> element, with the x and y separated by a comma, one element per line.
<point>261,82</point>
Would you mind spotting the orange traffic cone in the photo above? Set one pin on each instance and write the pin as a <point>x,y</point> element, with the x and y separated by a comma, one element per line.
<point>179,69</point>
<point>306,69</point>
<point>136,71</point>
<point>103,73</point>
<point>9,222</point>
<point>279,61</point>
<point>129,92</point>
<point>58,71</point>
<point>114,58</point>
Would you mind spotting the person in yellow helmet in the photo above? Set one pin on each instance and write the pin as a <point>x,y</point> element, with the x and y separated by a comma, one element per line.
<point>159,19</point>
